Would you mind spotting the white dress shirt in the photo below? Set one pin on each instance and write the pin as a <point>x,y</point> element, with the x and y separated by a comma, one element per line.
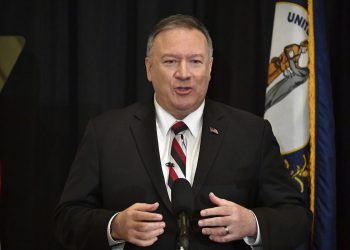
<point>192,137</point>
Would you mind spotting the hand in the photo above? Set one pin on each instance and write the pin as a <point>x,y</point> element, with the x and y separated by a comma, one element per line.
<point>138,224</point>
<point>228,221</point>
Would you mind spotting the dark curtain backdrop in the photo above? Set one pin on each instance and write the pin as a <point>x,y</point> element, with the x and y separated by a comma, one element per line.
<point>84,57</point>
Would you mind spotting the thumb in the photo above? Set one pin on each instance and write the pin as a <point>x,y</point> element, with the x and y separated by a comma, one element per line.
<point>146,207</point>
<point>219,201</point>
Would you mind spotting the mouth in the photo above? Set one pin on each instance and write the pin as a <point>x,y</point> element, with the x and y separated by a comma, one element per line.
<point>183,90</point>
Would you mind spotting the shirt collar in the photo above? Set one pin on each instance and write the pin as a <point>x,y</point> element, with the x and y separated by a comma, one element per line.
<point>165,120</point>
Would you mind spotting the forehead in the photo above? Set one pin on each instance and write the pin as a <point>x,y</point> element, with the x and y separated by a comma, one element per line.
<point>180,40</point>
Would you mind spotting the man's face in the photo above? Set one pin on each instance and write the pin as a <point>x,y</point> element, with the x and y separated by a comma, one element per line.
<point>179,68</point>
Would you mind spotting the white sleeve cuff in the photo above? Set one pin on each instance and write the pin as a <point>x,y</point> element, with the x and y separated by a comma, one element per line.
<point>114,244</point>
<point>252,241</point>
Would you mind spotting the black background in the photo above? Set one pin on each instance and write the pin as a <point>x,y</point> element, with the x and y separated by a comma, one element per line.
<point>84,57</point>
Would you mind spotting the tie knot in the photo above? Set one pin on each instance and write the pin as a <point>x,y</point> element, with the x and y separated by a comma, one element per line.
<point>178,127</point>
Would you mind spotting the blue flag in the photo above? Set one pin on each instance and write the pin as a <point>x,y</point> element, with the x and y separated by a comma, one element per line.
<point>324,234</point>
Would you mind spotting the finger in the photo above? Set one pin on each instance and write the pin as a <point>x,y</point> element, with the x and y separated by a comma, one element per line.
<point>215,231</point>
<point>148,237</point>
<point>216,211</point>
<point>143,212</point>
<point>145,207</point>
<point>145,216</point>
<point>126,222</point>
<point>142,233</point>
<point>144,243</point>
<point>219,201</point>
<point>221,239</point>
<point>221,210</point>
<point>214,222</point>
<point>149,226</point>
<point>148,234</point>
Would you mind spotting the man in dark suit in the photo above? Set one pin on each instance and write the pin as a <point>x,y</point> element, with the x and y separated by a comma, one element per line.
<point>118,191</point>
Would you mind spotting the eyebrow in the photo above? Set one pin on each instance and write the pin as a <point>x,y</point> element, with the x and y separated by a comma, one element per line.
<point>190,56</point>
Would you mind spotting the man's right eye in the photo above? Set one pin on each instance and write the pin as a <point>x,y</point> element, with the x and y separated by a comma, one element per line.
<point>169,61</point>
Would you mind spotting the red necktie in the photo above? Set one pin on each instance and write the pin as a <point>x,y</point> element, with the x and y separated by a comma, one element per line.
<point>178,156</point>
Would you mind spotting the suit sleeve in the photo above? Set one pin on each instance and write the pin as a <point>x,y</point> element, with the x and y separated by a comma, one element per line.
<point>283,215</point>
<point>81,223</point>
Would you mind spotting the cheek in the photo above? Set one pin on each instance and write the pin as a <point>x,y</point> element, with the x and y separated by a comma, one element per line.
<point>162,85</point>
<point>203,83</point>
<point>162,77</point>
<point>203,91</point>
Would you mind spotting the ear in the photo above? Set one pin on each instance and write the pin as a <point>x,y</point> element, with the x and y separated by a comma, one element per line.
<point>148,64</point>
<point>210,66</point>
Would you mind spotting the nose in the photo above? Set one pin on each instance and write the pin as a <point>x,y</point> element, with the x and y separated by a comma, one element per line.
<point>182,71</point>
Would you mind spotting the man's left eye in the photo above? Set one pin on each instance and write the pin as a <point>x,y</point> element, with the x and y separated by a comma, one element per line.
<point>196,61</point>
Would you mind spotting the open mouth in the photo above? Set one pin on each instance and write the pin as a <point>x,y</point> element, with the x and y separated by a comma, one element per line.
<point>183,90</point>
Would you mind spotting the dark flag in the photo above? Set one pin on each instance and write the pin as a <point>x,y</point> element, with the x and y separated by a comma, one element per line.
<point>323,196</point>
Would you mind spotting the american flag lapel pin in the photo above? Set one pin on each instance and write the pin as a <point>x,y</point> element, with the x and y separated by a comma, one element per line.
<point>213,130</point>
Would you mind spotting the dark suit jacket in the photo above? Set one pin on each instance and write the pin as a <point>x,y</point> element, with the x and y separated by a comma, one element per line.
<point>118,164</point>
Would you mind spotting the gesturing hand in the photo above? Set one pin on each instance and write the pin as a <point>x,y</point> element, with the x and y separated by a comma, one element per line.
<point>228,221</point>
<point>138,224</point>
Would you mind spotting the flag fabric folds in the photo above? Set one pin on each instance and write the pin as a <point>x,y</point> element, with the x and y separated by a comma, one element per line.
<point>324,196</point>
<point>298,104</point>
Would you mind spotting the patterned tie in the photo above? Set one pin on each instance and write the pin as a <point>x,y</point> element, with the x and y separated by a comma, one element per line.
<point>178,152</point>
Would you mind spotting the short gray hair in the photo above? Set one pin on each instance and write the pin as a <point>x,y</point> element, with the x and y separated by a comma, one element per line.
<point>179,21</point>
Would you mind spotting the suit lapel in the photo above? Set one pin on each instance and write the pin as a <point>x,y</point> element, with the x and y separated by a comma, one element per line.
<point>145,136</point>
<point>213,132</point>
